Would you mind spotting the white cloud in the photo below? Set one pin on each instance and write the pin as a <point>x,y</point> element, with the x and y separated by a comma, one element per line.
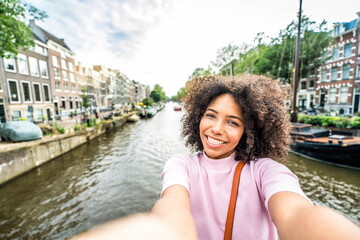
<point>163,41</point>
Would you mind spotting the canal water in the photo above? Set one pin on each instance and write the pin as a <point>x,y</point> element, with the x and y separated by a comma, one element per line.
<point>118,174</point>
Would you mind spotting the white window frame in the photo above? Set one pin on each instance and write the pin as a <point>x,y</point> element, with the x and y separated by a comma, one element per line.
<point>17,90</point>
<point>344,95</point>
<point>346,45</point>
<point>323,75</point>
<point>36,83</point>
<point>333,57</point>
<point>34,60</point>
<point>55,61</point>
<point>23,93</point>
<point>43,66</point>
<point>72,78</point>
<point>332,95</point>
<point>49,91</point>
<point>10,61</point>
<point>71,66</point>
<point>65,75</point>
<point>331,75</point>
<point>58,89</point>
<point>63,64</point>
<point>23,62</point>
<point>66,87</point>
<point>348,72</point>
<point>73,88</point>
<point>56,76</point>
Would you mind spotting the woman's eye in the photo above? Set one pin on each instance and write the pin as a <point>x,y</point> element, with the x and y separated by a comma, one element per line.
<point>210,115</point>
<point>233,123</point>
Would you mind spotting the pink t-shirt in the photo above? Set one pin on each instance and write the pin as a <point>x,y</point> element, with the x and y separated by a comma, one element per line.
<point>209,184</point>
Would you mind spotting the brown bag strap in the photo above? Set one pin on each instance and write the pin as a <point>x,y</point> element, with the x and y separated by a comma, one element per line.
<point>232,202</point>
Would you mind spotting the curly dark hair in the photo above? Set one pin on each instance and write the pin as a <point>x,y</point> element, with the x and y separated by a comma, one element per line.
<point>267,124</point>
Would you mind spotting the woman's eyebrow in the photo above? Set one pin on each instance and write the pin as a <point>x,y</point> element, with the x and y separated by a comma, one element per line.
<point>230,116</point>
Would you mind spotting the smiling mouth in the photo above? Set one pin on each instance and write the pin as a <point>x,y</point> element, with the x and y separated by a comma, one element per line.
<point>213,141</point>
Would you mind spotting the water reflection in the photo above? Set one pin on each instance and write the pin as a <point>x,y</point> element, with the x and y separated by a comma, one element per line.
<point>119,174</point>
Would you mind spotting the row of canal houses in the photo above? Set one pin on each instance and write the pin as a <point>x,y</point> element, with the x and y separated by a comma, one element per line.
<point>335,85</point>
<point>45,82</point>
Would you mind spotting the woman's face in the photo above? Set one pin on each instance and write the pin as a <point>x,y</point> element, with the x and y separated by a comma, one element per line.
<point>221,127</point>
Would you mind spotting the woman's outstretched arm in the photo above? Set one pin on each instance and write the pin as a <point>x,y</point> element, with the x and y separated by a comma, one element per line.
<point>170,218</point>
<point>296,218</point>
<point>174,208</point>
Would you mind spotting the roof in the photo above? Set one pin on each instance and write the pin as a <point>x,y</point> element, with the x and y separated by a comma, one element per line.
<point>351,25</point>
<point>46,35</point>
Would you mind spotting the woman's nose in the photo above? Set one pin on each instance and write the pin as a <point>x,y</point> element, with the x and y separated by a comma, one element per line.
<point>218,127</point>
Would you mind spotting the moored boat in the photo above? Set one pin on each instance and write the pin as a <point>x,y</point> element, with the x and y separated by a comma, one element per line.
<point>338,148</point>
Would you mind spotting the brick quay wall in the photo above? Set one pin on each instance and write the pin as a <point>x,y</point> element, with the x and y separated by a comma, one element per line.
<point>19,158</point>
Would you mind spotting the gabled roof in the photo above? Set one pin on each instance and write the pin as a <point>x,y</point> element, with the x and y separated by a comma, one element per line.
<point>45,36</point>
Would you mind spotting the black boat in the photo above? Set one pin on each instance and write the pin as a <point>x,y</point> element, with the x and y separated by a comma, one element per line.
<point>339,148</point>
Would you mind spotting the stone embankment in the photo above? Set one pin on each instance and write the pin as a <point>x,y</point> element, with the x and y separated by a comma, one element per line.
<point>18,158</point>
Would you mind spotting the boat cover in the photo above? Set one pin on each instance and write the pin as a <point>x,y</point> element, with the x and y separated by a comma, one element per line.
<point>18,131</point>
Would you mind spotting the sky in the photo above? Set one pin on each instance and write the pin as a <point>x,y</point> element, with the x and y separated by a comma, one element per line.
<point>164,41</point>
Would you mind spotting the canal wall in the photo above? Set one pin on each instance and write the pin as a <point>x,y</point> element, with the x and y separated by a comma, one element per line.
<point>19,158</point>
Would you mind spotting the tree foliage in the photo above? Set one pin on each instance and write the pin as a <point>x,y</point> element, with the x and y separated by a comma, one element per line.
<point>14,33</point>
<point>157,94</point>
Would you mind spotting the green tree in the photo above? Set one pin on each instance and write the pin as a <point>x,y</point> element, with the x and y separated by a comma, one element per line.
<point>147,101</point>
<point>14,33</point>
<point>157,94</point>
<point>200,72</point>
<point>227,58</point>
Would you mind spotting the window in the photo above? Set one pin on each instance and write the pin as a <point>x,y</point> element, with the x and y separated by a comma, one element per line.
<point>346,71</point>
<point>29,114</point>
<point>303,85</point>
<point>348,50</point>
<point>71,103</point>
<point>63,64</point>
<point>57,85</point>
<point>344,94</point>
<point>16,115</point>
<point>46,93</point>
<point>334,74</point>
<point>14,91</point>
<point>37,92</point>
<point>23,64</point>
<point>39,113</point>
<point>332,95</point>
<point>73,87</point>
<point>71,66</point>
<point>63,102</point>
<point>323,75</point>
<point>325,56</point>
<point>56,73</point>
<point>357,73</point>
<point>335,54</point>
<point>311,84</point>
<point>55,60</point>
<point>26,91</point>
<point>72,77</point>
<point>40,49</point>
<point>66,87</point>
<point>34,69</point>
<point>65,75</point>
<point>43,69</point>
<point>10,64</point>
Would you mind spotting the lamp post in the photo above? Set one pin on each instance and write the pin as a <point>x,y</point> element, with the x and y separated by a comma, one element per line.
<point>296,69</point>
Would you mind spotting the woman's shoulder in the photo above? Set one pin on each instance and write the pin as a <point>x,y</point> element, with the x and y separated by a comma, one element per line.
<point>184,158</point>
<point>268,164</point>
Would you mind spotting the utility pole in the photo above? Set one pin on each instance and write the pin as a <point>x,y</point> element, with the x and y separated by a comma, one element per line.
<point>296,72</point>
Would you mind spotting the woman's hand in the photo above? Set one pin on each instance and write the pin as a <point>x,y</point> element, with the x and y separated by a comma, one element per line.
<point>296,218</point>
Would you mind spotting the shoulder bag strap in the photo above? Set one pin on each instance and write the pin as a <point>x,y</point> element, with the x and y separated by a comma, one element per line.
<point>232,202</point>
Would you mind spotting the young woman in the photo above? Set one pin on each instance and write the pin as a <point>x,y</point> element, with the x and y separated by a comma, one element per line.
<point>230,121</point>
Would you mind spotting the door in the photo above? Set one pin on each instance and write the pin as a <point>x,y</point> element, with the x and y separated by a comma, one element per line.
<point>322,100</point>
<point>356,103</point>
<point>2,111</point>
